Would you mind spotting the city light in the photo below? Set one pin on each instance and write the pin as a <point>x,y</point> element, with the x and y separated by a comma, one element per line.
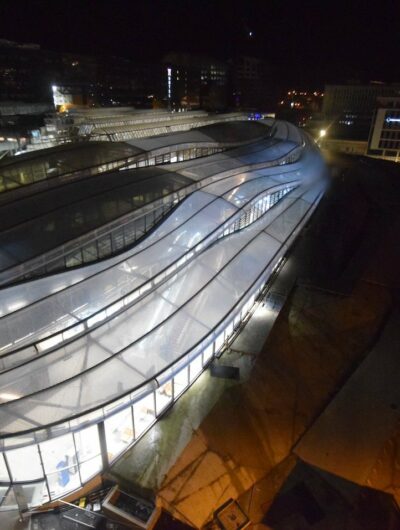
<point>169,81</point>
<point>322,133</point>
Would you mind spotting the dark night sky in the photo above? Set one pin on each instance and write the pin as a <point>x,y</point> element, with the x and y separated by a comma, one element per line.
<point>306,43</point>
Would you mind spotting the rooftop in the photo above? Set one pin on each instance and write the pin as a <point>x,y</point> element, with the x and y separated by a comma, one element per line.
<point>32,167</point>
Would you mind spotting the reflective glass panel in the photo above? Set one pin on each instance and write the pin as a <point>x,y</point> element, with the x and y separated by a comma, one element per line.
<point>181,381</point>
<point>60,464</point>
<point>119,432</point>
<point>87,443</point>
<point>163,396</point>
<point>25,463</point>
<point>58,453</point>
<point>90,468</point>
<point>63,481</point>
<point>3,470</point>
<point>195,367</point>
<point>32,494</point>
<point>143,413</point>
<point>208,353</point>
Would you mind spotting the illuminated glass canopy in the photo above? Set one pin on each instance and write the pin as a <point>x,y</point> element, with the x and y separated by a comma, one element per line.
<point>114,343</point>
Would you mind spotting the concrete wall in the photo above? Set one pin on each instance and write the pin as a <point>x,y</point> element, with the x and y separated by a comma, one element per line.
<point>351,147</point>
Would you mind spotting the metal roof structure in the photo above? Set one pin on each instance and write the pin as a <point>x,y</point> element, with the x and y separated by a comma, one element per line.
<point>66,212</point>
<point>113,343</point>
<point>32,167</point>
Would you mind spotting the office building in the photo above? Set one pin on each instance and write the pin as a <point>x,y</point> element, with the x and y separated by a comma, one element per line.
<point>384,138</point>
<point>349,108</point>
<point>250,84</point>
<point>196,82</point>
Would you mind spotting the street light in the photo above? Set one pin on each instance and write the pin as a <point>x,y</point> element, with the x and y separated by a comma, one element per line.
<point>322,134</point>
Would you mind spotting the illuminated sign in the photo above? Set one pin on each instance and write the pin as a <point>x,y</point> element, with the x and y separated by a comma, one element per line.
<point>169,81</point>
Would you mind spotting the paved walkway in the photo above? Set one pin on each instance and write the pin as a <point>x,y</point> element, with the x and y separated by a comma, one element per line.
<point>363,414</point>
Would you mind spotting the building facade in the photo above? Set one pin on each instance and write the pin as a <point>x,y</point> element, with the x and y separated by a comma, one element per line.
<point>384,138</point>
<point>349,108</point>
<point>31,74</point>
<point>195,82</point>
<point>250,84</point>
<point>103,350</point>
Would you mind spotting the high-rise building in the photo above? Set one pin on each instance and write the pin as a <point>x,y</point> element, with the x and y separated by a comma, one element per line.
<point>196,82</point>
<point>250,83</point>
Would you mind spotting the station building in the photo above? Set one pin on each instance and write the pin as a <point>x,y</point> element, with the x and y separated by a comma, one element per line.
<point>124,270</point>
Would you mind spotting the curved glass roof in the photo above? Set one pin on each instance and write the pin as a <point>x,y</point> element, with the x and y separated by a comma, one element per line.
<point>70,158</point>
<point>233,132</point>
<point>165,125</point>
<point>70,305</point>
<point>181,225</point>
<point>63,214</point>
<point>56,161</point>
<point>129,350</point>
<point>178,285</point>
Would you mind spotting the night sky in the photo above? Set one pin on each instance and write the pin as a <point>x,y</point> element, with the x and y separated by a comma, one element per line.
<point>305,43</point>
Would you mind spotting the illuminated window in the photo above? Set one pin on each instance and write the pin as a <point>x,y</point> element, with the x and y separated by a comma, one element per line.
<point>143,413</point>
<point>60,465</point>
<point>219,341</point>
<point>88,452</point>
<point>181,381</point>
<point>208,353</point>
<point>25,463</point>
<point>195,368</point>
<point>163,396</point>
<point>229,330</point>
<point>32,494</point>
<point>119,432</point>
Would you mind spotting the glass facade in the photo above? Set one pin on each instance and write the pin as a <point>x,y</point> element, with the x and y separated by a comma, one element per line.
<point>174,156</point>
<point>164,396</point>
<point>66,462</point>
<point>17,460</point>
<point>3,470</point>
<point>155,336</point>
<point>63,162</point>
<point>119,432</point>
<point>88,453</point>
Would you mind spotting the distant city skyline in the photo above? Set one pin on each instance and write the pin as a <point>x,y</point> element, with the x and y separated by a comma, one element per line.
<point>304,45</point>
